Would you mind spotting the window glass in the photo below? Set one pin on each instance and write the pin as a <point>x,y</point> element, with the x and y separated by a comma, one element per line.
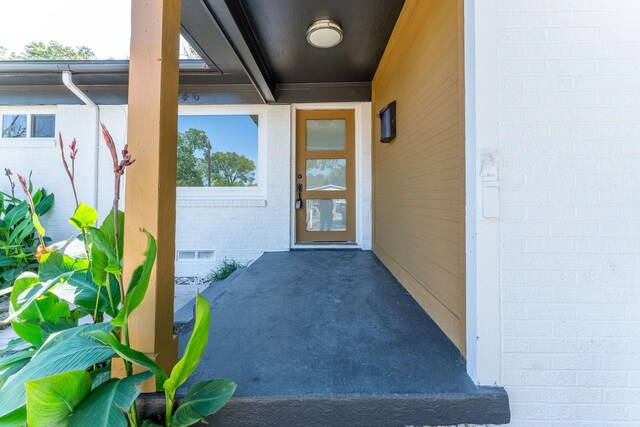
<point>14,126</point>
<point>326,135</point>
<point>326,175</point>
<point>326,215</point>
<point>217,151</point>
<point>43,125</point>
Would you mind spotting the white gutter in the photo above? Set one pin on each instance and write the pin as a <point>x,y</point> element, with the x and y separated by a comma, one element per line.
<point>68,82</point>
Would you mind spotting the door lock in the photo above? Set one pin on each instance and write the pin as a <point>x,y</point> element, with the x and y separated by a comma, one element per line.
<point>299,199</point>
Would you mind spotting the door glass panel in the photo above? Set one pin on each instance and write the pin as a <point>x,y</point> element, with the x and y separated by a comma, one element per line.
<point>326,175</point>
<point>326,215</point>
<point>326,135</point>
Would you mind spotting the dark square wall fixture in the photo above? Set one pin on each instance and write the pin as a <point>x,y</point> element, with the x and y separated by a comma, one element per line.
<point>388,122</point>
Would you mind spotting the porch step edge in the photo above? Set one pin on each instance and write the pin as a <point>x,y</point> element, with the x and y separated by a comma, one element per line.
<point>487,405</point>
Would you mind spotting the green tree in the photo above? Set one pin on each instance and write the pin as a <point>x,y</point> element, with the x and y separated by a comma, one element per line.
<point>53,51</point>
<point>232,170</point>
<point>3,52</point>
<point>192,168</point>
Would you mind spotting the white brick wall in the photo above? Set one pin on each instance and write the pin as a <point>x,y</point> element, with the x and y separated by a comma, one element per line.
<point>243,229</point>
<point>239,228</point>
<point>569,123</point>
<point>43,158</point>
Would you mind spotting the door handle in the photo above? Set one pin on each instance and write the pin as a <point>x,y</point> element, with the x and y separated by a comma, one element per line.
<point>299,199</point>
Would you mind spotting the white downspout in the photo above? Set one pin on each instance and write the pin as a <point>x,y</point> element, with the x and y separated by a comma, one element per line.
<point>68,82</point>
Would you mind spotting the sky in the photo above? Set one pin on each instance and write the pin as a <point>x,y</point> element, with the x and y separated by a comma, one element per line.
<point>104,26</point>
<point>236,133</point>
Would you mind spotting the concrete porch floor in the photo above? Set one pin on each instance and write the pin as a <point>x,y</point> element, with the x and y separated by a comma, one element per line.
<point>334,329</point>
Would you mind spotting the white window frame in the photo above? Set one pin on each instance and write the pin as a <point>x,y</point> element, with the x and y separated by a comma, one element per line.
<point>226,193</point>
<point>29,141</point>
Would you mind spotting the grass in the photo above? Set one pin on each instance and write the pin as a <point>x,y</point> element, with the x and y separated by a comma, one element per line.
<point>225,270</point>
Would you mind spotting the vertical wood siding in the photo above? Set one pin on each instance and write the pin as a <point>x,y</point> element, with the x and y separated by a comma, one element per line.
<point>418,203</point>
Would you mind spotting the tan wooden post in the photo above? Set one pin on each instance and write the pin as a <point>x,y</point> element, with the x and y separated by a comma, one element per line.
<point>150,189</point>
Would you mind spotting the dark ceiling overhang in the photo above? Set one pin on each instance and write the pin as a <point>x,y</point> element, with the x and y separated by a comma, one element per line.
<point>253,51</point>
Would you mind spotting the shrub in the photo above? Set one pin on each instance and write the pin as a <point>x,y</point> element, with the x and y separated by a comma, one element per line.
<point>225,270</point>
<point>58,372</point>
<point>18,234</point>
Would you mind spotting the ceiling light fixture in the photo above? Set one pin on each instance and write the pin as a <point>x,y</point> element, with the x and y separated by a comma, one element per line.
<point>324,33</point>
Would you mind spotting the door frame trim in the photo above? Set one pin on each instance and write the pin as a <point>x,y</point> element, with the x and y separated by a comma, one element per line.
<point>362,115</point>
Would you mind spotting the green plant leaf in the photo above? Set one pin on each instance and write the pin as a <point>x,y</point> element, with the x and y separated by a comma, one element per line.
<point>108,229</point>
<point>68,350</point>
<point>106,404</point>
<point>98,240</point>
<point>195,347</point>
<point>17,418</point>
<point>23,298</point>
<point>84,216</point>
<point>15,345</point>
<point>7,261</point>
<point>11,368</point>
<point>100,376</point>
<point>131,355</point>
<point>37,225</point>
<point>79,288</point>
<point>29,312</point>
<point>17,213</point>
<point>139,282</point>
<point>44,205</point>
<point>203,399</point>
<point>146,423</point>
<point>51,400</point>
<point>99,263</point>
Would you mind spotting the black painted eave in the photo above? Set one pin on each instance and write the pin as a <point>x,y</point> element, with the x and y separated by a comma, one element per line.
<point>323,92</point>
<point>231,21</point>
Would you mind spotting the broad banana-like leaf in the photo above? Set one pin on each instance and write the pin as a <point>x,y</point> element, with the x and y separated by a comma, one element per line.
<point>130,355</point>
<point>203,399</point>
<point>17,418</point>
<point>51,400</point>
<point>100,376</point>
<point>31,306</point>
<point>84,216</point>
<point>107,227</point>
<point>105,406</point>
<point>79,288</point>
<point>26,290</point>
<point>68,350</point>
<point>99,241</point>
<point>195,347</point>
<point>43,206</point>
<point>139,282</point>
<point>15,345</point>
<point>12,363</point>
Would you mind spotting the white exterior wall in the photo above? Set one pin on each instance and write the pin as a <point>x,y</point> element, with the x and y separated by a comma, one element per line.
<point>242,228</point>
<point>42,156</point>
<point>569,152</point>
<point>232,224</point>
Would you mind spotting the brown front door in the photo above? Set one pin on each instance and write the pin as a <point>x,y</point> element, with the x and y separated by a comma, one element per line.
<point>325,176</point>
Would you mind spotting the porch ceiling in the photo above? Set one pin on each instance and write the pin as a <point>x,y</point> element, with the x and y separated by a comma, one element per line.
<point>253,51</point>
<point>267,40</point>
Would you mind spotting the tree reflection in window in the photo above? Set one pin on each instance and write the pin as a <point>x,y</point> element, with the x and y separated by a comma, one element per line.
<point>217,151</point>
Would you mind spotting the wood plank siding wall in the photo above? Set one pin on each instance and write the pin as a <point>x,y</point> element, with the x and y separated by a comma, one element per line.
<point>419,177</point>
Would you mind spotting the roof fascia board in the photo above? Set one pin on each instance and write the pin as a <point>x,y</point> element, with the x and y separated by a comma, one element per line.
<point>232,22</point>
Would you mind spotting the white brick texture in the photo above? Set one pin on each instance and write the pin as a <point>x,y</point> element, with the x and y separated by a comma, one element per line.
<point>569,123</point>
<point>243,229</point>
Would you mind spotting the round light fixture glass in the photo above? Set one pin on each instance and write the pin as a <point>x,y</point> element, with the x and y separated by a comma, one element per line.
<point>324,33</point>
